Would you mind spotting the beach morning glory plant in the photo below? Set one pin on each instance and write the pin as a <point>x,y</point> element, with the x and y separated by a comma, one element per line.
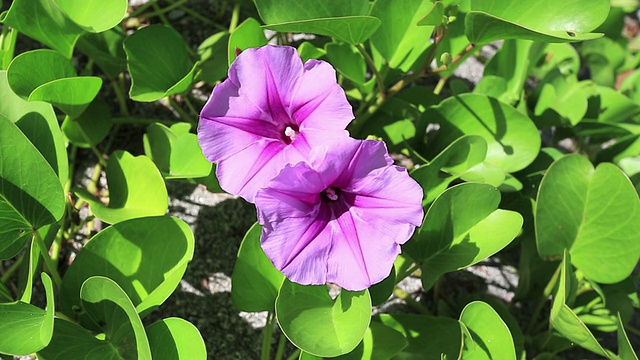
<point>270,111</point>
<point>333,209</point>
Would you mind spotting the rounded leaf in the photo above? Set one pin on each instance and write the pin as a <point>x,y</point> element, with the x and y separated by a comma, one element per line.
<point>175,338</point>
<point>321,326</point>
<point>592,213</point>
<point>512,138</point>
<point>146,257</point>
<point>25,328</point>
<point>491,338</point>
<point>136,189</point>
<point>540,20</point>
<point>158,62</point>
<point>94,15</point>
<point>30,192</point>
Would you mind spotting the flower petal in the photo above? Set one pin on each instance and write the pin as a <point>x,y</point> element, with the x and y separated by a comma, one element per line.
<point>293,193</point>
<point>299,247</point>
<point>228,124</point>
<point>363,250</point>
<point>267,77</point>
<point>249,170</point>
<point>319,102</point>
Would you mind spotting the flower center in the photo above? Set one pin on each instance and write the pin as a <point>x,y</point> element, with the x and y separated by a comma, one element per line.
<point>290,134</point>
<point>331,193</point>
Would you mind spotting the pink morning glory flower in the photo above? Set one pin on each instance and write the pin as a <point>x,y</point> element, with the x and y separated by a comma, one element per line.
<point>340,218</point>
<point>270,111</point>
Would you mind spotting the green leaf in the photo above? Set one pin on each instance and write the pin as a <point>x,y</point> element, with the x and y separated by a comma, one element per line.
<point>348,61</point>
<point>177,155</point>
<point>561,99</point>
<point>512,138</point>
<point>491,338</point>
<point>147,257</point>
<point>462,226</point>
<point>55,83</point>
<point>90,128</point>
<point>94,15</point>
<point>347,20</point>
<point>565,321</point>
<point>321,326</point>
<point>255,281</point>
<point>249,34</point>
<point>511,63</point>
<point>72,341</point>
<point>175,338</point>
<point>136,189</point>
<point>379,343</point>
<point>435,15</point>
<point>592,213</point>
<point>603,57</point>
<point>562,56</point>
<point>398,34</point>
<point>464,153</point>
<point>25,328</point>
<point>159,64</point>
<point>8,38</point>
<point>539,20</point>
<point>429,337</point>
<point>309,51</point>
<point>213,57</point>
<point>30,192</point>
<point>38,122</point>
<point>625,350</point>
<point>106,50</point>
<point>393,122</point>
<point>110,308</point>
<point>44,21</point>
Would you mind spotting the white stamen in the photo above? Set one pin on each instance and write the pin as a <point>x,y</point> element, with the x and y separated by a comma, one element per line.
<point>290,133</point>
<point>331,194</point>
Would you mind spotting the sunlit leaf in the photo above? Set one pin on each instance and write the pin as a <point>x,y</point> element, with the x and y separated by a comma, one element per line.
<point>136,189</point>
<point>30,192</point>
<point>345,20</point>
<point>540,20</point>
<point>25,328</point>
<point>94,15</point>
<point>321,326</point>
<point>147,257</point>
<point>175,338</point>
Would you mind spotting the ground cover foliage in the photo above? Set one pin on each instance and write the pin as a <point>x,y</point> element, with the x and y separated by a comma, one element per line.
<point>537,165</point>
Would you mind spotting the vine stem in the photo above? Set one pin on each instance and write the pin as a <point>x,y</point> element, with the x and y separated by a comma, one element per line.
<point>47,259</point>
<point>267,333</point>
<point>282,341</point>
<point>543,299</point>
<point>372,67</point>
<point>235,15</point>
<point>407,79</point>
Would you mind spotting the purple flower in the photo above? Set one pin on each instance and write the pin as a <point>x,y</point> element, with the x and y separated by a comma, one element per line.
<point>340,218</point>
<point>270,112</point>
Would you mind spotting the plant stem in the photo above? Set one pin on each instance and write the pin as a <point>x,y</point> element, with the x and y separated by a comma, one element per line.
<point>234,17</point>
<point>160,12</point>
<point>12,269</point>
<point>295,355</point>
<point>372,67</point>
<point>183,114</point>
<point>267,333</point>
<point>410,271</point>
<point>632,330</point>
<point>47,259</point>
<point>282,341</point>
<point>543,299</point>
<point>118,90</point>
<point>440,85</point>
<point>139,10</point>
